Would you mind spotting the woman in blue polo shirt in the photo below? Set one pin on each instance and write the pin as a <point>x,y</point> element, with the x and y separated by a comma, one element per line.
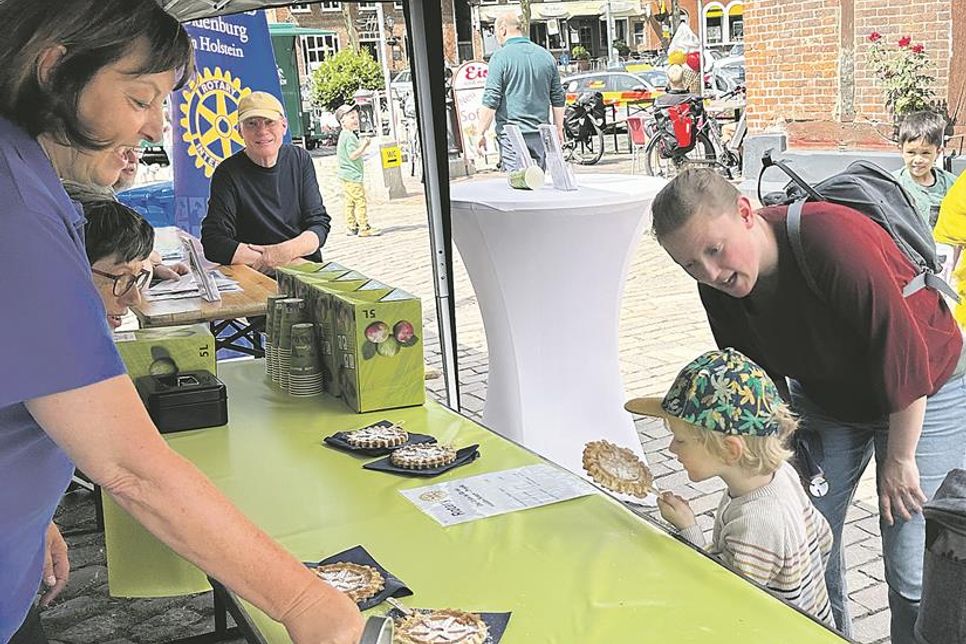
<point>81,83</point>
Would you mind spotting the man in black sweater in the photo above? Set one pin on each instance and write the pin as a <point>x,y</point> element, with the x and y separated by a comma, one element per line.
<point>265,209</point>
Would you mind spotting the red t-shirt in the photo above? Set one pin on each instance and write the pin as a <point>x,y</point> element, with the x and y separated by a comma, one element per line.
<point>862,350</point>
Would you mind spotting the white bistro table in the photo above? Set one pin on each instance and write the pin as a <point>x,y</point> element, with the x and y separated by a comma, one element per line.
<point>548,268</point>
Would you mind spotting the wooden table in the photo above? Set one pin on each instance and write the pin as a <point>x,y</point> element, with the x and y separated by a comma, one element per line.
<point>235,310</point>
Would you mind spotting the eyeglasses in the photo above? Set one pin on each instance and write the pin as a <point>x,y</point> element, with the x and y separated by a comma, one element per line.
<point>137,152</point>
<point>124,283</point>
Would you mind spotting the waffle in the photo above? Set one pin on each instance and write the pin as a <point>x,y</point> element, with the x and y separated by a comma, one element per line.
<point>444,626</point>
<point>423,456</point>
<point>617,468</point>
<point>356,581</point>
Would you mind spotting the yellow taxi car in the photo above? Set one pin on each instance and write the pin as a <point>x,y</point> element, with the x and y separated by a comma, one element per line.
<point>619,88</point>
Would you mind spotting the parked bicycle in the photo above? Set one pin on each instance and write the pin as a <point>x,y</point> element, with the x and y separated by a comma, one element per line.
<point>686,135</point>
<point>584,129</point>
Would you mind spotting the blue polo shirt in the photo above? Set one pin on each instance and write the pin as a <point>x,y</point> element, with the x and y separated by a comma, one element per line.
<point>522,83</point>
<point>55,338</point>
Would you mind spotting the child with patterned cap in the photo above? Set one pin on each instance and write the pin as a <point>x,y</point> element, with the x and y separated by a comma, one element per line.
<point>729,421</point>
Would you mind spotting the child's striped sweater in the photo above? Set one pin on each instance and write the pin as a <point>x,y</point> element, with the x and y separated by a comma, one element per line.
<point>776,537</point>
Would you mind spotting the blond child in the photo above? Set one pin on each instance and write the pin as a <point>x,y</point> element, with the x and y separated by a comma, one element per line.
<point>729,421</point>
<point>349,151</point>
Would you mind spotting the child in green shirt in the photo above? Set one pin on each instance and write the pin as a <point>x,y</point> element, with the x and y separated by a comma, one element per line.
<point>921,143</point>
<point>349,152</point>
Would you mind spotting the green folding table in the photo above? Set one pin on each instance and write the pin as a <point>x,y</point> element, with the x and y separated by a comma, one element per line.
<point>583,571</point>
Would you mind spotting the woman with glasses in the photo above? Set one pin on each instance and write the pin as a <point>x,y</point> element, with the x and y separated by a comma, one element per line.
<point>81,83</point>
<point>118,241</point>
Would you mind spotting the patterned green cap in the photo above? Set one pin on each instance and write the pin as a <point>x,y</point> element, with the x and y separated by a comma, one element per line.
<point>722,391</point>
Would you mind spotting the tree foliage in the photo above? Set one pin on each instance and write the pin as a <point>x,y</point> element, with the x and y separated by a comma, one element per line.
<point>341,75</point>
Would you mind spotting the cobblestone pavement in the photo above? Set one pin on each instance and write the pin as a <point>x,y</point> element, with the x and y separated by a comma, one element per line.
<point>662,327</point>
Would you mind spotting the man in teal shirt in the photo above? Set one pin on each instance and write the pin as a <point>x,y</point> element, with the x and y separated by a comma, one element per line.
<point>522,87</point>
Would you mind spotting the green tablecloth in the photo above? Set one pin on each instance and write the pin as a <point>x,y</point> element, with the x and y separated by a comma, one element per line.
<point>585,570</point>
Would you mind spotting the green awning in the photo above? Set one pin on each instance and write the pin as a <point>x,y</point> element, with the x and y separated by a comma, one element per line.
<point>288,29</point>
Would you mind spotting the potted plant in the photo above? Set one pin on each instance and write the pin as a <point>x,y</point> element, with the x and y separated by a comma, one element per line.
<point>582,56</point>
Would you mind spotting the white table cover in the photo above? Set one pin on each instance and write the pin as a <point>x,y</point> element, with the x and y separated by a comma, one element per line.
<point>548,268</point>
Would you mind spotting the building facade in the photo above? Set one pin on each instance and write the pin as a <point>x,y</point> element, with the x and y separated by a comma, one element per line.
<point>808,72</point>
<point>330,16</point>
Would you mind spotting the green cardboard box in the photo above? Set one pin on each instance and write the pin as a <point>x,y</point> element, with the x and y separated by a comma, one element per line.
<point>379,348</point>
<point>320,300</point>
<point>286,276</point>
<point>164,351</point>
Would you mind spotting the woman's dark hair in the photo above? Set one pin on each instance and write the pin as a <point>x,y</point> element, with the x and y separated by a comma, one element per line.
<point>114,230</point>
<point>94,34</point>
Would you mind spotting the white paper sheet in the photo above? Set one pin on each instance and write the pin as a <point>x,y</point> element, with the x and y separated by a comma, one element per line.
<point>487,495</point>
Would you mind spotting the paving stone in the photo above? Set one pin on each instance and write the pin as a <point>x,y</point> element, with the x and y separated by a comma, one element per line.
<point>856,580</point>
<point>871,629</point>
<point>858,554</point>
<point>874,598</point>
<point>869,525</point>
<point>82,579</point>
<point>64,613</point>
<point>167,626</point>
<point>94,629</point>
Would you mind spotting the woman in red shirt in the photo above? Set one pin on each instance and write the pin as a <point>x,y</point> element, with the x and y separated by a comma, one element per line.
<point>869,371</point>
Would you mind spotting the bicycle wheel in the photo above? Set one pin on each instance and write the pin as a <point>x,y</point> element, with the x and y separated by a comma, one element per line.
<point>657,165</point>
<point>586,151</point>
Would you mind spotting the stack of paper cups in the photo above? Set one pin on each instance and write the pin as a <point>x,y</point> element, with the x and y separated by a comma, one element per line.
<point>270,336</point>
<point>293,312</point>
<point>305,370</point>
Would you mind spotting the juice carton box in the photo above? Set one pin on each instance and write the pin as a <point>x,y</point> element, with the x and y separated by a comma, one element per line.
<point>286,276</point>
<point>165,351</point>
<point>319,299</point>
<point>379,347</point>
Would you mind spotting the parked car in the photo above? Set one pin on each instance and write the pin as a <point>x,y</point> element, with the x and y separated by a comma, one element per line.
<point>155,154</point>
<point>402,84</point>
<point>619,88</point>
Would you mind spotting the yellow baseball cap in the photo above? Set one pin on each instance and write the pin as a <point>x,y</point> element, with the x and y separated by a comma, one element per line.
<point>260,104</point>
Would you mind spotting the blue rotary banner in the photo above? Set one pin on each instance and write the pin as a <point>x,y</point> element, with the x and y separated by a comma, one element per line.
<point>234,57</point>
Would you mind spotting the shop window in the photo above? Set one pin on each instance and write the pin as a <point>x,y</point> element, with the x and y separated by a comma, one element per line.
<point>640,33</point>
<point>538,33</point>
<point>736,21</point>
<point>373,46</point>
<point>714,23</point>
<point>315,49</point>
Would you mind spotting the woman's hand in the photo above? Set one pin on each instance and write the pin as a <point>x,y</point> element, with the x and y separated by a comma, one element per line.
<point>332,619</point>
<point>56,565</point>
<point>900,494</point>
<point>675,510</point>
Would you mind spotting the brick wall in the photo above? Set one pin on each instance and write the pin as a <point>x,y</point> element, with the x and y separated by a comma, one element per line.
<point>806,65</point>
<point>791,61</point>
<point>927,21</point>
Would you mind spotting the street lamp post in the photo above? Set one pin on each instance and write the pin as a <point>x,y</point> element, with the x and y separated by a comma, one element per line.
<point>381,19</point>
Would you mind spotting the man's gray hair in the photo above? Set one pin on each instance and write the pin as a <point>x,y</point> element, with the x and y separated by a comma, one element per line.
<point>510,20</point>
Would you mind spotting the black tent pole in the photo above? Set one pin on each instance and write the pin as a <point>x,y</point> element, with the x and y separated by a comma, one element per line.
<point>424,24</point>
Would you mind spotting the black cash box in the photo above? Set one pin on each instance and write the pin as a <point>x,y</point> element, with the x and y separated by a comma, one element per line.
<point>185,400</point>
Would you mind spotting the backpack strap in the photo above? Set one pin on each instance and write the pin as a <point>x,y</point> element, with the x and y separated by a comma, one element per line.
<point>793,226</point>
<point>934,282</point>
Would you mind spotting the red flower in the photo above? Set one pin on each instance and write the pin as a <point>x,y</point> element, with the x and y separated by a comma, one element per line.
<point>875,36</point>
<point>904,41</point>
<point>917,49</point>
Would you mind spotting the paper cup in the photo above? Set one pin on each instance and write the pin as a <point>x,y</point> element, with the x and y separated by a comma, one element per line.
<point>531,178</point>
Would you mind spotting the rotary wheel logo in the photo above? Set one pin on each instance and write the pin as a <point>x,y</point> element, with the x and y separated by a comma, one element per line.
<point>208,116</point>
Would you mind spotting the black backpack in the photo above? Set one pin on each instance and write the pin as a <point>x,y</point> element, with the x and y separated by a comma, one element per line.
<point>871,190</point>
